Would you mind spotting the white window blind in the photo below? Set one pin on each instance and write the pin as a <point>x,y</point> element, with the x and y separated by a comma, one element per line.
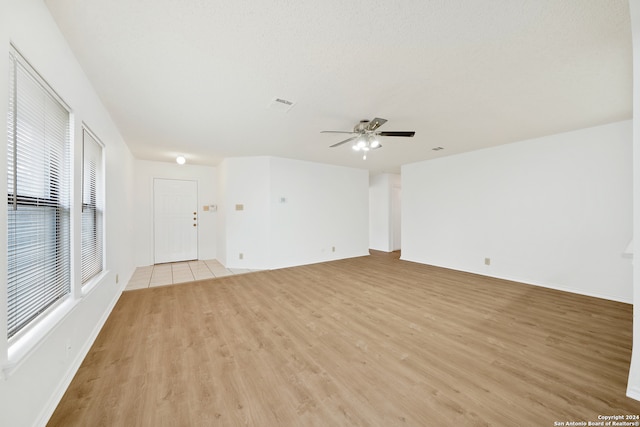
<point>38,197</point>
<point>92,206</point>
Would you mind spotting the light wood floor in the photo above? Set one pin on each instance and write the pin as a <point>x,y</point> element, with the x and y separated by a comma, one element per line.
<point>371,341</point>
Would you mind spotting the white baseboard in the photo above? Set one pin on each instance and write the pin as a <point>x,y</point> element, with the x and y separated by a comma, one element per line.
<point>56,396</point>
<point>542,285</point>
<point>633,392</point>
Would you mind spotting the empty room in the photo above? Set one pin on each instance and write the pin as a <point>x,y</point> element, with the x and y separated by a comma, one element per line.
<point>279,213</point>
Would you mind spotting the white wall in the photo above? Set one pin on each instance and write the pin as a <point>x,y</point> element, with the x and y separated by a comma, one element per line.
<point>396,213</point>
<point>379,213</point>
<point>32,385</point>
<point>294,212</point>
<point>633,386</point>
<point>221,219</point>
<point>205,176</point>
<point>316,208</point>
<point>246,231</point>
<point>384,208</point>
<point>553,211</point>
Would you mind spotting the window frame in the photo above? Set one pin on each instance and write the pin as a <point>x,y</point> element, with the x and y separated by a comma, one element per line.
<point>57,196</point>
<point>98,213</point>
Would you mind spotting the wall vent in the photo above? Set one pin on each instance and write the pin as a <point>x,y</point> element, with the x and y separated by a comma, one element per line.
<point>281,104</point>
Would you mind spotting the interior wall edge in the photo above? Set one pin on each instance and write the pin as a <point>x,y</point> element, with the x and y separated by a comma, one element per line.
<point>633,392</point>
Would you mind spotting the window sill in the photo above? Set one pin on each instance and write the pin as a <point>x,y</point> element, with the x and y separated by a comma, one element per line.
<point>93,282</point>
<point>30,340</point>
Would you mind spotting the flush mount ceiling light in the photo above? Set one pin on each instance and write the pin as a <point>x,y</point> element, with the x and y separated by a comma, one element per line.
<point>181,160</point>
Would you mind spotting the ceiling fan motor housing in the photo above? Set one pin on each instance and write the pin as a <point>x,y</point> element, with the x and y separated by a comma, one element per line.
<point>362,126</point>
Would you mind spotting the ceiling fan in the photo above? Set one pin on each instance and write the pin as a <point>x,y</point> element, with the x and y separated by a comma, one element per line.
<point>366,135</point>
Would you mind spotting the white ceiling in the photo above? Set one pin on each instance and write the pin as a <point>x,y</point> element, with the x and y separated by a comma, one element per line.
<point>196,77</point>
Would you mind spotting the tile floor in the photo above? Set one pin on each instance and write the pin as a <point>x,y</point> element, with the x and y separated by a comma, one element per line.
<point>179,272</point>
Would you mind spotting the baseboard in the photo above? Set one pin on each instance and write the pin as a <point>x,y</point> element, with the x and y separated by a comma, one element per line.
<point>321,260</point>
<point>525,282</point>
<point>574,291</point>
<point>633,393</point>
<point>57,395</point>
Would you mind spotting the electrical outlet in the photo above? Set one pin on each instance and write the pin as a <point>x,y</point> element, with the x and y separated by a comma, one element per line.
<point>241,255</point>
<point>487,261</point>
<point>333,248</point>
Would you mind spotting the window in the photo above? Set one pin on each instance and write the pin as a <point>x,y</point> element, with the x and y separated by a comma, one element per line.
<point>38,260</point>
<point>92,209</point>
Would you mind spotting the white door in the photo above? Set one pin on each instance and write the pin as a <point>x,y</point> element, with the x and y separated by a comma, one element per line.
<point>175,220</point>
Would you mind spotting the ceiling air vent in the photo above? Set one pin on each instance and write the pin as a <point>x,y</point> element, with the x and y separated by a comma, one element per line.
<point>281,104</point>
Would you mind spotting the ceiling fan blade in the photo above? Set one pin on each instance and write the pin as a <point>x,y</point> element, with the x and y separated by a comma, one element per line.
<point>336,131</point>
<point>343,142</point>
<point>376,123</point>
<point>396,133</point>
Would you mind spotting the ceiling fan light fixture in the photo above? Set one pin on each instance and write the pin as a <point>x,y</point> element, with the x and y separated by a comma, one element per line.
<point>366,135</point>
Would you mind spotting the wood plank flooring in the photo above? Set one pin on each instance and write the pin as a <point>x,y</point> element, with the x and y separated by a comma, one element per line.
<point>371,341</point>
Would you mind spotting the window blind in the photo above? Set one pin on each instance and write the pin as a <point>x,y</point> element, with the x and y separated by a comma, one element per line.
<point>92,207</point>
<point>38,261</point>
